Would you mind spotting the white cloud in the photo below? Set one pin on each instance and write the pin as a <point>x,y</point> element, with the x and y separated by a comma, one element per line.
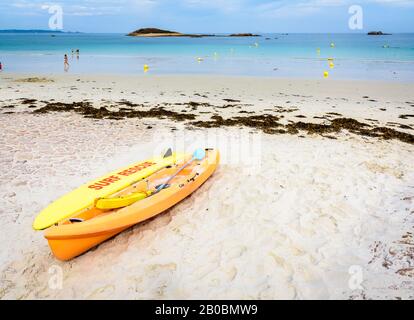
<point>220,5</point>
<point>265,8</point>
<point>399,3</point>
<point>285,9</point>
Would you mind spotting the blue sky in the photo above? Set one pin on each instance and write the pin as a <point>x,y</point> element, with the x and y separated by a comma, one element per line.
<point>210,15</point>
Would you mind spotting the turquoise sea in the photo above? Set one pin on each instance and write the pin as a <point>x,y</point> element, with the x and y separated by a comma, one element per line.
<point>356,56</point>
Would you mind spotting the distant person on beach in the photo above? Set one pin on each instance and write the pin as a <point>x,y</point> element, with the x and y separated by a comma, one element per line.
<point>1,67</point>
<point>66,63</point>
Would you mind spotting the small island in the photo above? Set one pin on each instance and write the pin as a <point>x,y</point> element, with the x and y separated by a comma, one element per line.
<point>244,35</point>
<point>154,32</point>
<point>378,33</point>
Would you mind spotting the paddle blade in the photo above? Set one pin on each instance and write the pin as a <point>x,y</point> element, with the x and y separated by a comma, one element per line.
<point>199,154</point>
<point>168,153</point>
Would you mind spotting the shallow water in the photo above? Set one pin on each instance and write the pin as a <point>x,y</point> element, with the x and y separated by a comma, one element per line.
<point>356,56</point>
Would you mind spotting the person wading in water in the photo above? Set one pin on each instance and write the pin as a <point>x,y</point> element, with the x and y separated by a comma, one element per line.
<point>66,63</point>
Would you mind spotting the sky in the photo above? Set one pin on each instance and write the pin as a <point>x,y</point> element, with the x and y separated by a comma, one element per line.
<point>210,16</point>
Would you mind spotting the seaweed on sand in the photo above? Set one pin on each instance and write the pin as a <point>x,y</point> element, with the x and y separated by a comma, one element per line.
<point>269,124</point>
<point>88,111</point>
<point>406,116</point>
<point>266,122</point>
<point>28,101</point>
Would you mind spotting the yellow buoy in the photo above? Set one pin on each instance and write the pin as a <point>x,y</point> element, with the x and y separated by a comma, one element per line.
<point>146,68</point>
<point>331,65</point>
<point>326,74</point>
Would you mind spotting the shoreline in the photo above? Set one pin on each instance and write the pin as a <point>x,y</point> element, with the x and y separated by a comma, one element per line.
<point>212,66</point>
<point>60,75</point>
<point>139,73</point>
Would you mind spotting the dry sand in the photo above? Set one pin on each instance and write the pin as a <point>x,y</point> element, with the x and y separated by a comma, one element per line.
<point>285,216</point>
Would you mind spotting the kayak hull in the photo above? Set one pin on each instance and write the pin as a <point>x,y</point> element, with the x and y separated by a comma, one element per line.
<point>66,249</point>
<point>69,240</point>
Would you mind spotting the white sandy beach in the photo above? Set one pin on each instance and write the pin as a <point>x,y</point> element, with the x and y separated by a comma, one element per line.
<point>286,216</point>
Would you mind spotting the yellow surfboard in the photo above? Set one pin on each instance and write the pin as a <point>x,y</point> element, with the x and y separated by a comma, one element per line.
<point>85,196</point>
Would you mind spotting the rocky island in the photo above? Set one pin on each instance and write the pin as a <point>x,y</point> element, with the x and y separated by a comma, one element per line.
<point>244,35</point>
<point>154,32</point>
<point>378,33</point>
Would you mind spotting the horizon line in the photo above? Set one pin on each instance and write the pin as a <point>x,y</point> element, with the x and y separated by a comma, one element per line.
<point>204,33</point>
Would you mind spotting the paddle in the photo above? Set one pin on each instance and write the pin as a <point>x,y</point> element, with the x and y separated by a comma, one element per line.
<point>109,203</point>
<point>199,154</point>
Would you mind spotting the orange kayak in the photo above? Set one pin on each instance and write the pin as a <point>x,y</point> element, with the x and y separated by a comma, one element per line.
<point>84,230</point>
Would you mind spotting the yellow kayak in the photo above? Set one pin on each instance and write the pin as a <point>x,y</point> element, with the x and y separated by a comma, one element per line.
<point>97,192</point>
<point>138,202</point>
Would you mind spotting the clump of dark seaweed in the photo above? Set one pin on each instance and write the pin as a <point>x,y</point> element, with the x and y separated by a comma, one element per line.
<point>388,133</point>
<point>269,124</point>
<point>88,111</point>
<point>28,101</point>
<point>194,105</point>
<point>231,100</point>
<point>406,116</point>
<point>266,122</point>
